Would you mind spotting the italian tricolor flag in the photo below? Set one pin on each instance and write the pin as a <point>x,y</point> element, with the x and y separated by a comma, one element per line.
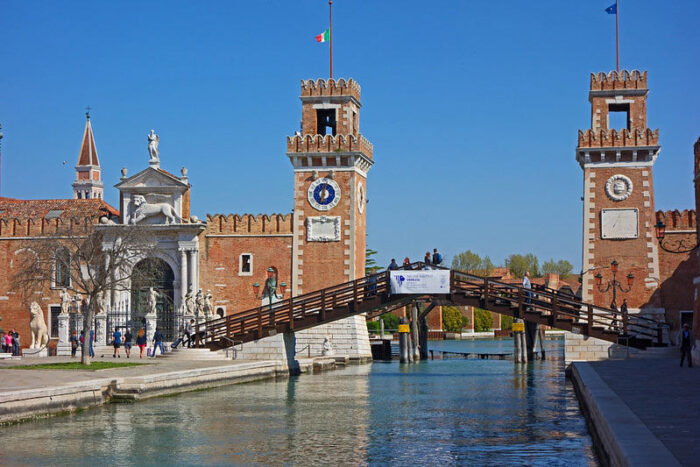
<point>324,36</point>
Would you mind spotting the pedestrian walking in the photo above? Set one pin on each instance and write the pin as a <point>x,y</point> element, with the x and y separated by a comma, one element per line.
<point>157,342</point>
<point>393,266</point>
<point>15,343</point>
<point>141,341</point>
<point>116,342</point>
<point>3,340</point>
<point>687,344</point>
<point>73,344</point>
<point>8,340</point>
<point>437,258</point>
<point>91,341</point>
<point>127,343</point>
<point>189,331</point>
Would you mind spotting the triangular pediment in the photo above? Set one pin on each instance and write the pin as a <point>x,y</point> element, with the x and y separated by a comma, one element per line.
<point>152,179</point>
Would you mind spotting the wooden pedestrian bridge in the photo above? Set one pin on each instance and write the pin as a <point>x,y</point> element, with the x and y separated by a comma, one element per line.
<point>372,295</point>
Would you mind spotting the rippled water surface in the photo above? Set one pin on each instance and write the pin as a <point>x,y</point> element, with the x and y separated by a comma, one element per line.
<point>437,412</point>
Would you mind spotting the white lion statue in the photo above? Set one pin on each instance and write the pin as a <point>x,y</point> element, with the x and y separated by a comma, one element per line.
<point>145,209</point>
<point>40,334</point>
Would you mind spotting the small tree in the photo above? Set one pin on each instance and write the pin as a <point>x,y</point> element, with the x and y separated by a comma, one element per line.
<point>483,321</point>
<point>370,262</point>
<point>506,322</point>
<point>452,319</point>
<point>472,263</point>
<point>561,267</point>
<point>86,260</point>
<point>518,265</point>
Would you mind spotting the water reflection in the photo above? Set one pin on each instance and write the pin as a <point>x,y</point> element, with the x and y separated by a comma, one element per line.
<point>451,412</point>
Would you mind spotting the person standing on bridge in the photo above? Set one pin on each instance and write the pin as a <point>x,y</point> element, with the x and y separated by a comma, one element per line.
<point>527,285</point>
<point>427,260</point>
<point>437,258</point>
<point>393,266</point>
<point>687,344</point>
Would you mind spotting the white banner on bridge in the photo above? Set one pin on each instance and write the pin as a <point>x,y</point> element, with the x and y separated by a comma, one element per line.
<point>420,282</point>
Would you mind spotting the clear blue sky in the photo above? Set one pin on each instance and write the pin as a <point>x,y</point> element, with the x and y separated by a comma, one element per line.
<point>472,106</point>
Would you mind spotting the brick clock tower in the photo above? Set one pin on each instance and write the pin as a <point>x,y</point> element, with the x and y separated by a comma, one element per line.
<point>618,190</point>
<point>331,160</point>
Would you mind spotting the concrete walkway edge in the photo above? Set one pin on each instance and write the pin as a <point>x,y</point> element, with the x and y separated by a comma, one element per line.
<point>621,435</point>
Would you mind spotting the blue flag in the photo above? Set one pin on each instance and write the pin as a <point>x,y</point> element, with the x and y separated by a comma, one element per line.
<point>612,9</point>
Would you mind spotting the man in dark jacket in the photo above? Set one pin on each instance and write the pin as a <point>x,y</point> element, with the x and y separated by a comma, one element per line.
<point>687,344</point>
<point>393,266</point>
<point>157,342</point>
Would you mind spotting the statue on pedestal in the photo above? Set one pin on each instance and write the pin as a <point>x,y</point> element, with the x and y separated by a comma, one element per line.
<point>208,304</point>
<point>327,346</point>
<point>153,141</point>
<point>152,301</point>
<point>189,303</point>
<point>37,325</point>
<point>65,301</point>
<point>78,302</point>
<point>199,303</point>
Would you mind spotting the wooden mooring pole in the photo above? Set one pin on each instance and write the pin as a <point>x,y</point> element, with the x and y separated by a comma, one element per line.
<point>403,341</point>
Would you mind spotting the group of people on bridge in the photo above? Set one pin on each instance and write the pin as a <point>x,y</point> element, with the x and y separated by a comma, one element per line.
<point>434,260</point>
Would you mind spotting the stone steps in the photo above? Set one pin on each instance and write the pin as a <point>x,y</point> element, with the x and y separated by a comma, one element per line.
<point>194,354</point>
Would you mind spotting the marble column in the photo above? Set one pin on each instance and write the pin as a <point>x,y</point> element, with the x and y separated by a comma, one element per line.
<point>190,275</point>
<point>196,269</point>
<point>183,275</point>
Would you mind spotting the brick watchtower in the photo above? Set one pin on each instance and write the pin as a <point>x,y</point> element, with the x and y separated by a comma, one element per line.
<point>618,189</point>
<point>331,160</point>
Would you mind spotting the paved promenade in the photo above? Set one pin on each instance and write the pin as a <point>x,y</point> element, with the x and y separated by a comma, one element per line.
<point>648,409</point>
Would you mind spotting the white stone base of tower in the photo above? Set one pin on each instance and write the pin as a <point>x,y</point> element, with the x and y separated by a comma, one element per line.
<point>348,337</point>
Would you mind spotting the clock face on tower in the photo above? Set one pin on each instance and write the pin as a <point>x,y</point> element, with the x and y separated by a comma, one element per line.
<point>324,194</point>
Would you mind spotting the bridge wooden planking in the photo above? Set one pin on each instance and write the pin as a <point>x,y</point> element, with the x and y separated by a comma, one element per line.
<point>372,295</point>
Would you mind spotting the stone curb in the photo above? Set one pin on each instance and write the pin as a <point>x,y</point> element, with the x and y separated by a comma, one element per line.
<point>619,433</point>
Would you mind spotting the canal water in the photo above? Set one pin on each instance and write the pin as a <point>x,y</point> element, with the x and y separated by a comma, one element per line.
<point>440,412</point>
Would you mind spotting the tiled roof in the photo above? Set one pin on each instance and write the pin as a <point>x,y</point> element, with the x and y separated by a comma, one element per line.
<point>88,150</point>
<point>11,208</point>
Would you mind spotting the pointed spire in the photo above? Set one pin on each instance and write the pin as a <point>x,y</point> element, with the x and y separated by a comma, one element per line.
<point>88,150</point>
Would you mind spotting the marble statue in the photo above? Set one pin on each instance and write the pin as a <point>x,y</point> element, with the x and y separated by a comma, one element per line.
<point>100,304</point>
<point>327,346</point>
<point>189,302</point>
<point>153,141</point>
<point>37,325</point>
<point>78,302</point>
<point>65,301</point>
<point>208,304</point>
<point>145,209</point>
<point>199,302</point>
<point>152,300</point>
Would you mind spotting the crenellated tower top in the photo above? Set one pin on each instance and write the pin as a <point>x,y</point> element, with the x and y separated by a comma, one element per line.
<point>618,131</point>
<point>330,128</point>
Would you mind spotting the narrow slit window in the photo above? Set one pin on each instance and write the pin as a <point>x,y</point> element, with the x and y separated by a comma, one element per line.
<point>245,264</point>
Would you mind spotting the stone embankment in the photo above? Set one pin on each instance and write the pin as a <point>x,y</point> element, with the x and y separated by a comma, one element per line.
<point>31,394</point>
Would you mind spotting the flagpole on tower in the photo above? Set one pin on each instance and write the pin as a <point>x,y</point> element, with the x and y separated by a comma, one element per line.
<point>330,31</point>
<point>617,33</point>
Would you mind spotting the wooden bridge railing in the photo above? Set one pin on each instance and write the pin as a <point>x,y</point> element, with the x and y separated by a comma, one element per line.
<point>372,295</point>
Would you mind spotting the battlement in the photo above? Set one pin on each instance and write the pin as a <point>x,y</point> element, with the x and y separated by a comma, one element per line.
<point>678,220</point>
<point>330,87</point>
<point>249,224</point>
<point>613,138</point>
<point>41,227</point>
<point>329,143</point>
<point>615,80</point>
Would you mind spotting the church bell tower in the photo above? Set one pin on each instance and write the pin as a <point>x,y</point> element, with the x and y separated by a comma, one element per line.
<point>331,160</point>
<point>88,178</point>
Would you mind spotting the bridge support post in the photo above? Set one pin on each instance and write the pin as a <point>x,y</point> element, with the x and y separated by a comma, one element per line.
<point>381,328</point>
<point>531,339</point>
<point>423,337</point>
<point>403,341</point>
<point>414,335</point>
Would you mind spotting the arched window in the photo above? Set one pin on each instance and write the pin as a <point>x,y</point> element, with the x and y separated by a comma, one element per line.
<point>62,268</point>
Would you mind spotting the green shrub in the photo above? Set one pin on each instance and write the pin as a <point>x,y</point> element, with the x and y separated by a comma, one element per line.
<point>506,322</point>
<point>483,321</point>
<point>373,326</point>
<point>452,319</point>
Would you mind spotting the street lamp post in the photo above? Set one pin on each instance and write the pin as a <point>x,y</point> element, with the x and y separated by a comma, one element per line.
<point>615,285</point>
<point>270,291</point>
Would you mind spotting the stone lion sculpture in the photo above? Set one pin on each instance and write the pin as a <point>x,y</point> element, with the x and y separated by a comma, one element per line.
<point>145,209</point>
<point>37,325</point>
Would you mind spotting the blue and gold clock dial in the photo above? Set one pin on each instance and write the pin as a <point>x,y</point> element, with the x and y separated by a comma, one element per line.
<point>324,194</point>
